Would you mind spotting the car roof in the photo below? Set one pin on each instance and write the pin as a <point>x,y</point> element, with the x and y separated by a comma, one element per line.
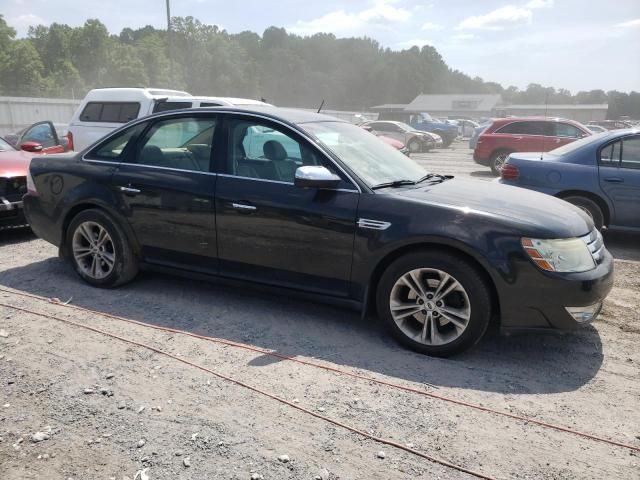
<point>131,94</point>
<point>222,100</point>
<point>534,118</point>
<point>291,115</point>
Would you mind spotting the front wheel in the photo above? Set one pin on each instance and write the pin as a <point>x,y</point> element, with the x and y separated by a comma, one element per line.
<point>99,250</point>
<point>434,303</point>
<point>414,146</point>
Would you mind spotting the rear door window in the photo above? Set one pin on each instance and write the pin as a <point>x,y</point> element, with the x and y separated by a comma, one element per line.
<point>110,112</point>
<point>610,155</point>
<point>631,153</point>
<point>113,149</point>
<point>179,143</point>
<point>524,128</point>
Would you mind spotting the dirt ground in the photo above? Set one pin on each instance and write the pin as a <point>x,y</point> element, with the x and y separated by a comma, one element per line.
<point>85,392</point>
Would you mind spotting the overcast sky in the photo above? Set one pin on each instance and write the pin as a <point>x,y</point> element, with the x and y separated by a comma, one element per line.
<point>574,44</point>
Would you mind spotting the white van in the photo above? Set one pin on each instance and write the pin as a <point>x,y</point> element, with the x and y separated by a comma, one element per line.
<point>105,109</point>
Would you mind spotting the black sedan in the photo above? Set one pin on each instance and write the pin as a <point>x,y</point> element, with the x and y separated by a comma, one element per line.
<point>304,202</point>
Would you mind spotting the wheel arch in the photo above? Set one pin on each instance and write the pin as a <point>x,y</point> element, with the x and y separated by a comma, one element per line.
<point>392,256</point>
<point>601,202</point>
<point>93,205</point>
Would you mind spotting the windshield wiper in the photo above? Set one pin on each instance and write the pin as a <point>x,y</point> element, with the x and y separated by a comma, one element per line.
<point>434,176</point>
<point>395,183</point>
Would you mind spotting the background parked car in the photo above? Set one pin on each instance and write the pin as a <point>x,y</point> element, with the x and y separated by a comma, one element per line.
<point>466,128</point>
<point>527,134</point>
<point>595,128</point>
<point>415,140</point>
<point>13,184</point>
<point>105,109</point>
<point>398,145</point>
<point>600,174</point>
<point>612,124</point>
<point>41,137</point>
<point>424,123</point>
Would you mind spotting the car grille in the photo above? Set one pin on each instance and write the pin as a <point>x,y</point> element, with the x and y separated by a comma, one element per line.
<point>595,243</point>
<point>12,189</point>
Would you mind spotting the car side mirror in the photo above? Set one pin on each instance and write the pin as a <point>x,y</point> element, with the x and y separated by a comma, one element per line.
<point>31,146</point>
<point>313,176</point>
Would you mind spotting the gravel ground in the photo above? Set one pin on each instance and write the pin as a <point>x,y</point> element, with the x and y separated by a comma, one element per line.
<point>85,392</point>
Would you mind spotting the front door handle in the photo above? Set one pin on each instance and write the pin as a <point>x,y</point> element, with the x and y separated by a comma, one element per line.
<point>243,207</point>
<point>614,180</point>
<point>129,190</point>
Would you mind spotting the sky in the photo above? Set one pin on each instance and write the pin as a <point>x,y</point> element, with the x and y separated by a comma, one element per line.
<point>573,44</point>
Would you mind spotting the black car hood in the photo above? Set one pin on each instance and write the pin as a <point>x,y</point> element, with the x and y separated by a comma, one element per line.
<point>532,212</point>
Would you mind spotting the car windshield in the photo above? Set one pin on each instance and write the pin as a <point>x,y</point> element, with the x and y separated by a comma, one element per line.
<point>4,146</point>
<point>371,159</point>
<point>570,147</point>
<point>404,126</point>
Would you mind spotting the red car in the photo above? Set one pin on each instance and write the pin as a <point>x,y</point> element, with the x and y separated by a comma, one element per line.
<point>13,184</point>
<point>528,134</point>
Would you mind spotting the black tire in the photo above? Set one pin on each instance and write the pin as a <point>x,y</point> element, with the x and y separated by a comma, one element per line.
<point>497,160</point>
<point>588,206</point>
<point>446,140</point>
<point>465,273</point>
<point>125,266</point>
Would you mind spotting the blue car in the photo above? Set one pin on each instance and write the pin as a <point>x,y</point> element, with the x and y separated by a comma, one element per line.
<point>600,174</point>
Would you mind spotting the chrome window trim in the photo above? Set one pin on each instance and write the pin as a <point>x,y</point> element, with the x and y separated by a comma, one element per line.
<point>228,175</point>
<point>150,166</point>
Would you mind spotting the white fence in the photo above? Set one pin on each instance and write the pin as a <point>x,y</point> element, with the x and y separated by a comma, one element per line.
<point>19,112</point>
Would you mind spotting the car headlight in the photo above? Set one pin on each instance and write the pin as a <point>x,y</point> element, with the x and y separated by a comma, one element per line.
<point>559,255</point>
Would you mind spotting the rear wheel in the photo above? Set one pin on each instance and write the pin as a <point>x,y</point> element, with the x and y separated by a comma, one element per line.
<point>498,159</point>
<point>99,250</point>
<point>588,206</point>
<point>434,303</point>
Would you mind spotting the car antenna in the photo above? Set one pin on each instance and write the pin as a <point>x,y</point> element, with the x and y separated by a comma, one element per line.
<point>546,107</point>
<point>321,105</point>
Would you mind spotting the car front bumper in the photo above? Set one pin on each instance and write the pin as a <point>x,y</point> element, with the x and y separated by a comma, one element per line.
<point>542,300</point>
<point>11,214</point>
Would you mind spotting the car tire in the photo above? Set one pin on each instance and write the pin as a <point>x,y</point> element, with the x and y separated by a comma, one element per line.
<point>446,141</point>
<point>414,145</point>
<point>399,306</point>
<point>497,160</point>
<point>99,250</point>
<point>588,206</point>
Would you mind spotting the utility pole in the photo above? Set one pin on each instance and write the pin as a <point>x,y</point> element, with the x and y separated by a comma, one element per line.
<point>169,46</point>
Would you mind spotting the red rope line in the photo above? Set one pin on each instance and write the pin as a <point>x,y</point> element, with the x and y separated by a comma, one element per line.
<point>435,396</point>
<point>355,430</point>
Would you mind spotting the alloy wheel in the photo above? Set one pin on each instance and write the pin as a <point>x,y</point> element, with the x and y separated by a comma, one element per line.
<point>499,162</point>
<point>93,250</point>
<point>430,306</point>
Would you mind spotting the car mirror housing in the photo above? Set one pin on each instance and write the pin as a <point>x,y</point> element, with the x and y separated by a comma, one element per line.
<point>31,146</point>
<point>315,176</point>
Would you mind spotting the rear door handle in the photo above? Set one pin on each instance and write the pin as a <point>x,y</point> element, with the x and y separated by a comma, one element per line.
<point>614,180</point>
<point>243,207</point>
<point>129,190</point>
